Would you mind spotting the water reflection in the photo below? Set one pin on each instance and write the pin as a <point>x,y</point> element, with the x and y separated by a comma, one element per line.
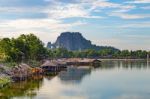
<point>22,89</point>
<point>125,64</point>
<point>74,74</point>
<point>112,80</point>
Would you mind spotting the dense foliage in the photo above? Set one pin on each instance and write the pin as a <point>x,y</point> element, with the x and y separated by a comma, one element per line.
<point>29,47</point>
<point>23,48</point>
<point>103,53</point>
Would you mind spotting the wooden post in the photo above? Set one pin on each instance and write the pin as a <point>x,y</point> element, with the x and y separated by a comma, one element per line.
<point>147,60</point>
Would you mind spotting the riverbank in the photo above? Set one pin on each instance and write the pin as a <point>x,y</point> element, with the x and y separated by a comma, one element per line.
<point>9,73</point>
<point>125,59</point>
<point>24,71</point>
<point>4,81</point>
<point>92,81</point>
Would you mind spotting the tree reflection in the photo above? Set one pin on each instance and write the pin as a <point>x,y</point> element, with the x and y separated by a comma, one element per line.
<point>26,88</point>
<point>125,64</point>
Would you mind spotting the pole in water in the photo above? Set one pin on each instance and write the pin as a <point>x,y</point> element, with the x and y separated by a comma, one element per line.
<point>147,60</point>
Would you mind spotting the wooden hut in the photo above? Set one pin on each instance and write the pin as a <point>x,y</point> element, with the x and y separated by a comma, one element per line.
<point>83,62</point>
<point>96,63</point>
<point>52,66</point>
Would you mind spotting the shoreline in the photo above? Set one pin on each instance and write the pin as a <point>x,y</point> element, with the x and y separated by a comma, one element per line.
<point>4,81</point>
<point>125,59</point>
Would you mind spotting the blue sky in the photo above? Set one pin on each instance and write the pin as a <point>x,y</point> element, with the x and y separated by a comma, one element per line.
<point>124,24</point>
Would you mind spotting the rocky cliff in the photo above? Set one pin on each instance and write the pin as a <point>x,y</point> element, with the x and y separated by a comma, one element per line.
<point>74,41</point>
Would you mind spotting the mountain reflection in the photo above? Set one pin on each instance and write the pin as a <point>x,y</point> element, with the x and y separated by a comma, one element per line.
<point>74,74</point>
<point>31,89</point>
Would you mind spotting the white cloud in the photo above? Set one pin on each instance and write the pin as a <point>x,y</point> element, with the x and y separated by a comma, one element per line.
<point>60,10</point>
<point>139,1</point>
<point>49,27</point>
<point>106,4</point>
<point>38,9</point>
<point>130,16</point>
<point>54,10</point>
<point>137,25</point>
<point>125,8</point>
<point>146,7</point>
<point>69,10</point>
<point>83,8</point>
<point>46,29</point>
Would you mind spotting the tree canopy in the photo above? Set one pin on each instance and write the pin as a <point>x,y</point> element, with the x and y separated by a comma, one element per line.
<point>25,47</point>
<point>29,47</point>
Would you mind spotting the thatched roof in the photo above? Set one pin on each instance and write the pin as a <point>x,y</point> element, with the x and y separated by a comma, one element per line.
<point>80,60</point>
<point>49,63</point>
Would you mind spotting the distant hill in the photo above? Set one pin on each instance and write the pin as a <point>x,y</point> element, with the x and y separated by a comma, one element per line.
<point>75,41</point>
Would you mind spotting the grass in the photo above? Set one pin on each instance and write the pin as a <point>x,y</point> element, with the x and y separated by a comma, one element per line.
<point>4,81</point>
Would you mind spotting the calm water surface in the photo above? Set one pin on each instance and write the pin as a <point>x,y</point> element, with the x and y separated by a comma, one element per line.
<point>113,80</point>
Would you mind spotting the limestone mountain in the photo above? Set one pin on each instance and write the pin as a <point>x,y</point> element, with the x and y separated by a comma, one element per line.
<point>74,41</point>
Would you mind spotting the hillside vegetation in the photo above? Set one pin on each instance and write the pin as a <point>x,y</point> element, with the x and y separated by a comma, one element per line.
<point>26,48</point>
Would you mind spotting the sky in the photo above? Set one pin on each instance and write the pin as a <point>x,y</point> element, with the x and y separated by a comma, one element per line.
<point>124,24</point>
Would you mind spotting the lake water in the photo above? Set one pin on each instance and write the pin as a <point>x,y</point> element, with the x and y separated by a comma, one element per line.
<point>112,80</point>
